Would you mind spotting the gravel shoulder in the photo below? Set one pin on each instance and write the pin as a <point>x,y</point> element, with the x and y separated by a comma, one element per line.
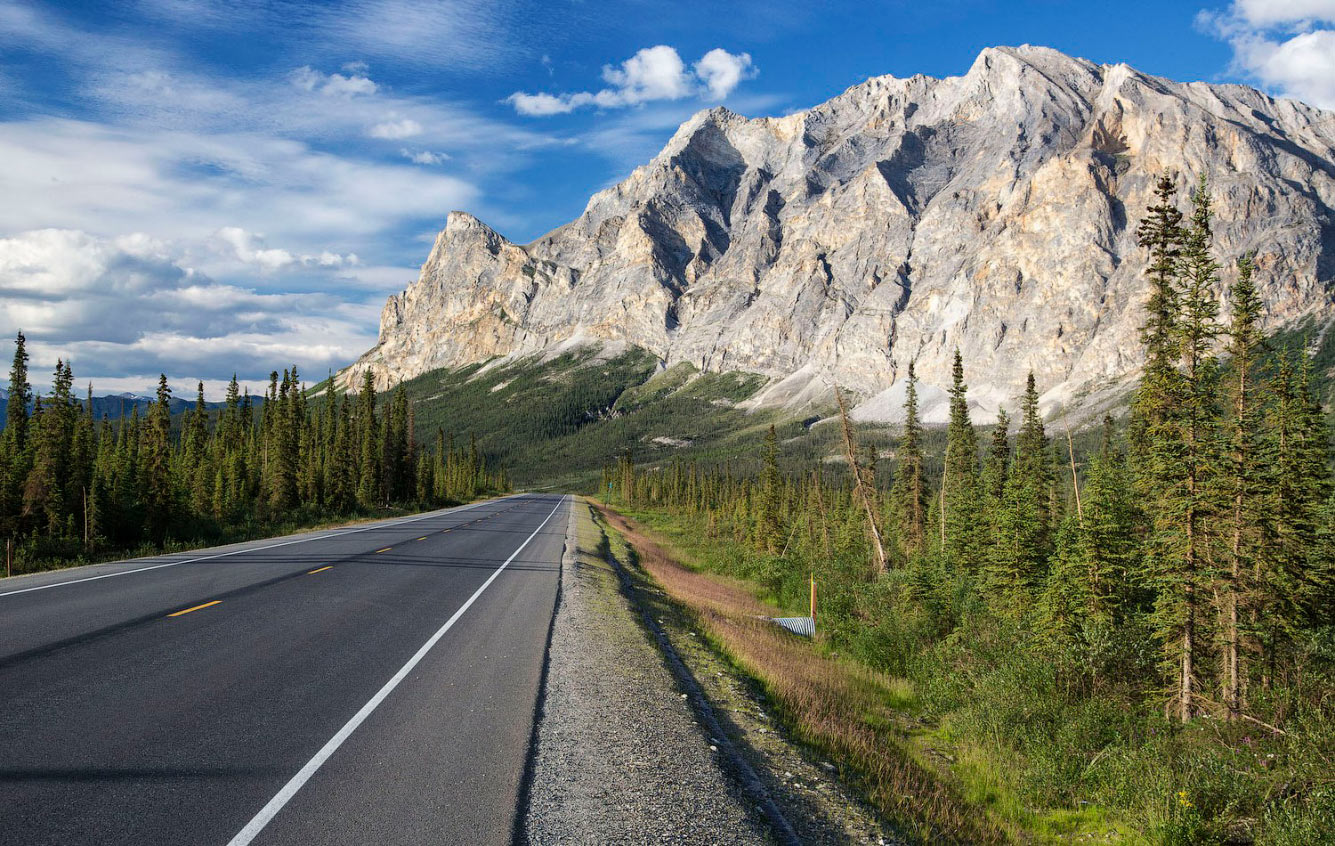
<point>808,789</point>
<point>619,755</point>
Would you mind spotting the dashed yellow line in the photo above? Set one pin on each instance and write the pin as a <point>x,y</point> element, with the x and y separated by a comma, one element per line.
<point>422,538</point>
<point>386,549</point>
<point>196,608</point>
<point>320,570</point>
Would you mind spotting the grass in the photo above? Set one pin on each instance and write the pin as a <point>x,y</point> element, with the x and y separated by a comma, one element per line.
<point>892,733</point>
<point>847,710</point>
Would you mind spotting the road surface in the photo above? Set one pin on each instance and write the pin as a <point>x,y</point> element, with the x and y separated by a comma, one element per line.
<point>361,685</point>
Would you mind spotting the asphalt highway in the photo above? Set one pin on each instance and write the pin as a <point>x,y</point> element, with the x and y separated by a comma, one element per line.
<point>371,684</point>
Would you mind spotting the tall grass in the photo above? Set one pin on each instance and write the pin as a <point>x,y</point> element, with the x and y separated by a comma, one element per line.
<point>844,708</point>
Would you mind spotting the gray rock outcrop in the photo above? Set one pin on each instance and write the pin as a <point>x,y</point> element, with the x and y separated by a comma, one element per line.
<point>994,212</point>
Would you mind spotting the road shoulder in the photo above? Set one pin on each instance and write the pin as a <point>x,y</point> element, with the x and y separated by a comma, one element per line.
<point>619,756</point>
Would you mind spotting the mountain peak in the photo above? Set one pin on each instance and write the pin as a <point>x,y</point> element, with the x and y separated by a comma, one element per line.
<point>993,212</point>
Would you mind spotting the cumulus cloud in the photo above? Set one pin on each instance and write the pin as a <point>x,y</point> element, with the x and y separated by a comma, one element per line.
<point>245,247</point>
<point>1265,13</point>
<point>150,140</point>
<point>653,73</point>
<point>334,84</point>
<point>395,130</point>
<point>721,71</point>
<point>249,248</point>
<point>424,157</point>
<point>1288,46</point>
<point>132,304</point>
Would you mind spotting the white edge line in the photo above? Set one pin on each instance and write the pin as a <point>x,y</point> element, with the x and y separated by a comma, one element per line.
<point>270,810</point>
<point>333,534</point>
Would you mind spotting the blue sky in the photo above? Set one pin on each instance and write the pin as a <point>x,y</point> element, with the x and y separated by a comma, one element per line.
<point>201,187</point>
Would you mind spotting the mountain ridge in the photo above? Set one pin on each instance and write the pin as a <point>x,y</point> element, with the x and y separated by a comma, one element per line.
<point>992,211</point>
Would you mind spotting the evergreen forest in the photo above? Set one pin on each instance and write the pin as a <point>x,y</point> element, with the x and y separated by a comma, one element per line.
<point>1147,630</point>
<point>75,489</point>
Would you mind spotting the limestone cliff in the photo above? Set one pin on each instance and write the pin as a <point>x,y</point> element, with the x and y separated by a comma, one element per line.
<point>994,212</point>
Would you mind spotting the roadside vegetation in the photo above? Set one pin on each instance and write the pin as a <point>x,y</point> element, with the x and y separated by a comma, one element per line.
<point>74,489</point>
<point>852,713</point>
<point>1137,643</point>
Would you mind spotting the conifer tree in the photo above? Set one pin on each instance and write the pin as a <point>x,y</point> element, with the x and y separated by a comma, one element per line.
<point>14,453</point>
<point>1024,525</point>
<point>44,495</point>
<point>1244,478</point>
<point>159,496</point>
<point>961,524</point>
<point>1290,583</point>
<point>769,531</point>
<point>1108,545</point>
<point>368,490</point>
<point>908,494</point>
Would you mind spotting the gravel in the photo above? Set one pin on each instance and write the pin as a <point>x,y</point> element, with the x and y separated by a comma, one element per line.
<point>619,756</point>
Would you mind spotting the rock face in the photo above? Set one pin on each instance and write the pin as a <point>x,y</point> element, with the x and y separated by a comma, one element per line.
<point>994,212</point>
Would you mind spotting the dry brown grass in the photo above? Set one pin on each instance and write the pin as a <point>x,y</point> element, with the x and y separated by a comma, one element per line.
<point>842,708</point>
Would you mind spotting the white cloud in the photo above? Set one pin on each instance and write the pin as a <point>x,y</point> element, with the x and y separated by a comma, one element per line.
<point>131,305</point>
<point>424,157</point>
<point>332,85</point>
<point>395,130</point>
<point>1267,13</point>
<point>1282,45</point>
<point>721,71</point>
<point>128,236</point>
<point>654,73</point>
<point>248,248</point>
<point>186,186</point>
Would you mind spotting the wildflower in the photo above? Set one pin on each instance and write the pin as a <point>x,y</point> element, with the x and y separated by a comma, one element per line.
<point>1183,800</point>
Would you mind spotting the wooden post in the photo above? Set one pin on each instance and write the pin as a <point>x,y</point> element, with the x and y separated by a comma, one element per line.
<point>813,598</point>
<point>9,557</point>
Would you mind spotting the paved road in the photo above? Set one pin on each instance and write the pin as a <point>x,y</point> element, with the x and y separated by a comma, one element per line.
<point>366,685</point>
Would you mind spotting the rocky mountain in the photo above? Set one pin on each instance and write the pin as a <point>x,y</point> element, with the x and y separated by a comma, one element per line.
<point>994,212</point>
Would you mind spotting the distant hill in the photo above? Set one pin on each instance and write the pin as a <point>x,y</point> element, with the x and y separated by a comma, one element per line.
<point>113,406</point>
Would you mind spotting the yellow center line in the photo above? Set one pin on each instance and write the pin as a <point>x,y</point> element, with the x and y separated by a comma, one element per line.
<point>386,549</point>
<point>320,570</point>
<point>196,608</point>
<point>422,539</point>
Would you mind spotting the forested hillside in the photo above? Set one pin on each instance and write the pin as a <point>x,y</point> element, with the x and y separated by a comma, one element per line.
<point>73,487</point>
<point>1148,631</point>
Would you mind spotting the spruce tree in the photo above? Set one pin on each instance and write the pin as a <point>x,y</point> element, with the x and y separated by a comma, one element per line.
<point>1025,522</point>
<point>14,453</point>
<point>368,483</point>
<point>1108,544</point>
<point>908,494</point>
<point>159,495</point>
<point>1243,483</point>
<point>1289,582</point>
<point>769,531</point>
<point>961,518</point>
